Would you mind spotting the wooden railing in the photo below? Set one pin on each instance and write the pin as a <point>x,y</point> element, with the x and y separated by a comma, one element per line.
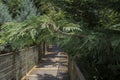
<point>74,71</point>
<point>14,65</point>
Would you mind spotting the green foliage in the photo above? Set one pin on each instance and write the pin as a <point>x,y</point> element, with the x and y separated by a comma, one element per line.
<point>98,53</point>
<point>94,13</point>
<point>4,14</point>
<point>32,30</point>
<point>27,10</point>
<point>14,6</point>
<point>64,22</point>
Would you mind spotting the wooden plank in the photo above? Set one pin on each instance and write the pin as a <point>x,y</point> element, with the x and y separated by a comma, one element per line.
<point>75,72</point>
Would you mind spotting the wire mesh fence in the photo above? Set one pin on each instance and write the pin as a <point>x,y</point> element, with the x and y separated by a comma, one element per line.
<point>13,66</point>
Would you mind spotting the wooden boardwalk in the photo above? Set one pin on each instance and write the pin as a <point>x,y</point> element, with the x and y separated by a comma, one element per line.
<point>54,66</point>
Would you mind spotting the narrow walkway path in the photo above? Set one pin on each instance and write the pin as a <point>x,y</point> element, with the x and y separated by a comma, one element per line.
<point>52,67</point>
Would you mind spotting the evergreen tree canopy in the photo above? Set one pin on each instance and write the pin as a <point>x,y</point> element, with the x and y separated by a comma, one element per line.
<point>4,14</point>
<point>27,10</point>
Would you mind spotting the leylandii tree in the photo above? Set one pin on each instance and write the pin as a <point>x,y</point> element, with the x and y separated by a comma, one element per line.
<point>14,6</point>
<point>4,14</point>
<point>27,10</point>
